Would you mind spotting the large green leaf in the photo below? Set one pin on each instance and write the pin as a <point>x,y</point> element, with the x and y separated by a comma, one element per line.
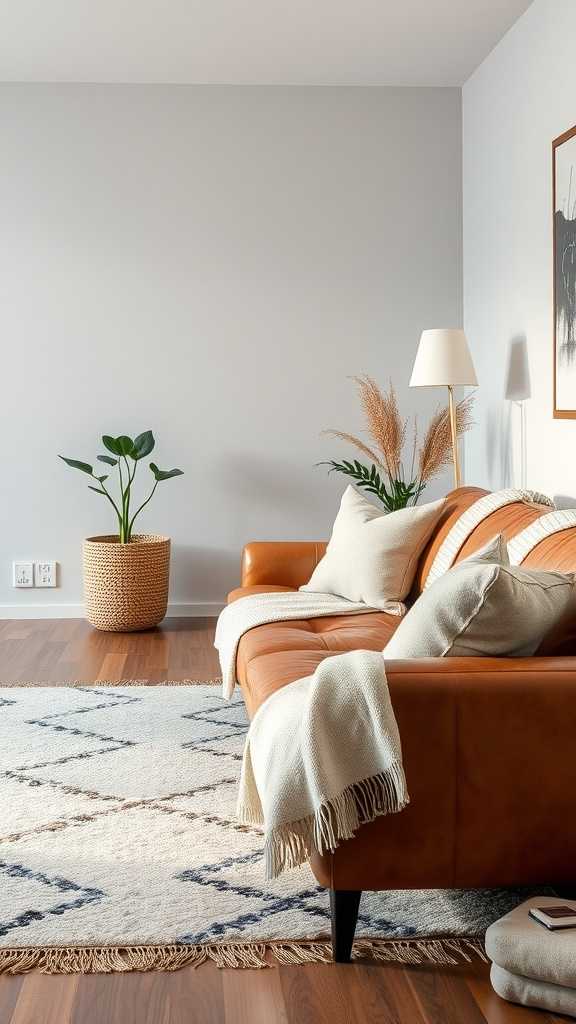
<point>164,474</point>
<point>75,464</point>
<point>125,444</point>
<point>111,444</point>
<point>143,445</point>
<point>107,459</point>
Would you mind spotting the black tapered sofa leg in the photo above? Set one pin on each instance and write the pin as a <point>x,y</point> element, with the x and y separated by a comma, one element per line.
<point>344,904</point>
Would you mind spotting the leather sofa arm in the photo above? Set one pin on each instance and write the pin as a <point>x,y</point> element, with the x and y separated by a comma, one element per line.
<point>280,563</point>
<point>488,747</point>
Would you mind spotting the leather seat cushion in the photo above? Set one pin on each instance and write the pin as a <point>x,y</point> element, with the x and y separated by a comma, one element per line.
<point>277,653</point>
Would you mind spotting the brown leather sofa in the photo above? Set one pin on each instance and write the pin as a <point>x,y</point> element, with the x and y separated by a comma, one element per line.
<point>489,744</point>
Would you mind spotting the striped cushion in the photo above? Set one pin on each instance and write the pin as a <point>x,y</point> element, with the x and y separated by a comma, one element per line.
<point>470,519</point>
<point>553,522</point>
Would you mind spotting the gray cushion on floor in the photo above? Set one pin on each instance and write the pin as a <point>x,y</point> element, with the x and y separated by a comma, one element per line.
<point>541,994</point>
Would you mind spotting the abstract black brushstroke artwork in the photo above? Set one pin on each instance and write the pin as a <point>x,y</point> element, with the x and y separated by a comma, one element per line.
<point>564,185</point>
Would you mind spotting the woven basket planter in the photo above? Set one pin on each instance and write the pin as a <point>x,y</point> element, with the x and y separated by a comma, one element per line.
<point>126,585</point>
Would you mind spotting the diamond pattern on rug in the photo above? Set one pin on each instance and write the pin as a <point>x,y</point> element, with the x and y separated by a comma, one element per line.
<point>117,827</point>
<point>27,888</point>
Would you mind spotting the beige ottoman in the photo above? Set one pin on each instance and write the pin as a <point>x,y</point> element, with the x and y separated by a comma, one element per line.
<point>531,965</point>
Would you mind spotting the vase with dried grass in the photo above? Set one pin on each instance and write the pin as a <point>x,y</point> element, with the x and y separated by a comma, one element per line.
<point>396,484</point>
<point>126,574</point>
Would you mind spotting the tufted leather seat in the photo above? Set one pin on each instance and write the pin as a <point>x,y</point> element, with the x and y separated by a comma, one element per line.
<point>281,652</point>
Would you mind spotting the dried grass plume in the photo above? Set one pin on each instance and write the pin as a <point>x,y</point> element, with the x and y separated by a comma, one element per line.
<point>436,450</point>
<point>385,426</point>
<point>387,431</point>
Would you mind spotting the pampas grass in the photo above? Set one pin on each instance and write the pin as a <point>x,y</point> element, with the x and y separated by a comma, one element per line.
<point>387,430</point>
<point>436,450</point>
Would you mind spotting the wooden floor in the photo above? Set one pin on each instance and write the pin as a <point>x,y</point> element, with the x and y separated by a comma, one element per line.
<point>64,651</point>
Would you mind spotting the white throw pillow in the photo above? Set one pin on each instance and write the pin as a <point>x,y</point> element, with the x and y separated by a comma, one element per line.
<point>372,555</point>
<point>483,608</point>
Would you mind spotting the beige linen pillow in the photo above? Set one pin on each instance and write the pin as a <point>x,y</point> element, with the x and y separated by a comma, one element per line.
<point>372,556</point>
<point>483,608</point>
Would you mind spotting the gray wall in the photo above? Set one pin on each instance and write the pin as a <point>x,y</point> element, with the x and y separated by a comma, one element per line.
<point>211,263</point>
<point>520,99</point>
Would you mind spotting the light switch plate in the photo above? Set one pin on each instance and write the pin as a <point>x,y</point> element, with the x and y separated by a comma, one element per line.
<point>45,574</point>
<point>22,574</point>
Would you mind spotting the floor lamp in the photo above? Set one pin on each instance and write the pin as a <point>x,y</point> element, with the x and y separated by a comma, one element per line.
<point>443,360</point>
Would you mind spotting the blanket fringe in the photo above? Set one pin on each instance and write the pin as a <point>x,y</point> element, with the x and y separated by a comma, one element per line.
<point>441,952</point>
<point>290,845</point>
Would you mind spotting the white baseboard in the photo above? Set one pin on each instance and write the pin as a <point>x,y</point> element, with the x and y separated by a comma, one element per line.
<point>194,611</point>
<point>186,609</point>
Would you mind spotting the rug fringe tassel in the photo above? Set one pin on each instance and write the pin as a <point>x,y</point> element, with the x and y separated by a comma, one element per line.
<point>82,684</point>
<point>252,956</point>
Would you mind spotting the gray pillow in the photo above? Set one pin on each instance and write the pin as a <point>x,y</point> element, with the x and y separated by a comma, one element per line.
<point>496,550</point>
<point>483,608</point>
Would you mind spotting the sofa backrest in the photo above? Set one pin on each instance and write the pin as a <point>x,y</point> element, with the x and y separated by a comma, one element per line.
<point>456,503</point>
<point>555,552</point>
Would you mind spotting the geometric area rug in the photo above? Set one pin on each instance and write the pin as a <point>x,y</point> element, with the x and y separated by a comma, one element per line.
<point>119,848</point>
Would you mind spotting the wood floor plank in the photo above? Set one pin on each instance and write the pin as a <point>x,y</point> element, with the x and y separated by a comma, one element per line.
<point>103,997</point>
<point>321,994</point>
<point>61,651</point>
<point>46,999</point>
<point>196,996</point>
<point>253,997</point>
<point>154,997</point>
<point>383,994</point>
<point>9,992</point>
<point>444,995</point>
<point>112,667</point>
<point>125,999</point>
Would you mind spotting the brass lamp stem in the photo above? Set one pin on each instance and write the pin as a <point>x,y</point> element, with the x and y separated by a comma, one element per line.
<point>457,476</point>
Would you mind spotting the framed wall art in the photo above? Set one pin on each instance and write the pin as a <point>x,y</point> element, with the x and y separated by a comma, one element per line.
<point>564,255</point>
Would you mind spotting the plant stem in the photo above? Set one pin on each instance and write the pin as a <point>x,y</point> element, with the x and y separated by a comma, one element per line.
<point>126,501</point>
<point>111,500</point>
<point>142,506</point>
<point>122,530</point>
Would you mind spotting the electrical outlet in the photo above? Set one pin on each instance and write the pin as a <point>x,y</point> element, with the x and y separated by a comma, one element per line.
<point>45,574</point>
<point>22,574</point>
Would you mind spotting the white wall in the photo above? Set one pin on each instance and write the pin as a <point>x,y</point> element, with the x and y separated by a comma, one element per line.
<point>210,263</point>
<point>516,103</point>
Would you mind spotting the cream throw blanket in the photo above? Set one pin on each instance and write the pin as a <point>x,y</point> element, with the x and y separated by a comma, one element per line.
<point>258,609</point>
<point>323,754</point>
<point>322,757</point>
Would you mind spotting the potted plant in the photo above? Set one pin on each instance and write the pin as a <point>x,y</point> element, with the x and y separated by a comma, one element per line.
<point>125,574</point>
<point>388,478</point>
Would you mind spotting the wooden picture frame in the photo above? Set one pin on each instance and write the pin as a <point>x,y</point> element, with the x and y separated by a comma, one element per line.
<point>564,273</point>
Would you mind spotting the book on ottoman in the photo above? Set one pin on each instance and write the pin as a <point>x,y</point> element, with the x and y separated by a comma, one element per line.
<point>561,916</point>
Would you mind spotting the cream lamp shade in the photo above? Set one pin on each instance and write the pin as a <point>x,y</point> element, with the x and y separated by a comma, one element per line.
<point>443,358</point>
